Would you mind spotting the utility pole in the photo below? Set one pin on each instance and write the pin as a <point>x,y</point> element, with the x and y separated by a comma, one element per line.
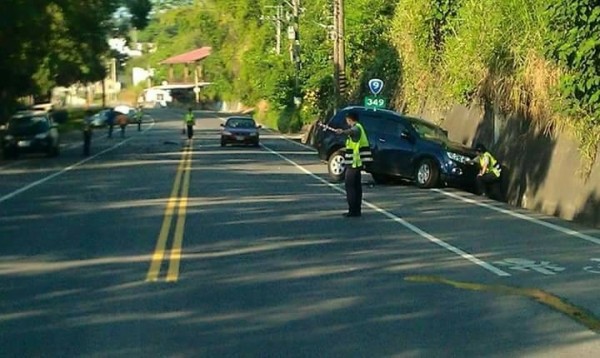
<point>342,49</point>
<point>336,56</point>
<point>296,45</point>
<point>278,19</point>
<point>339,52</point>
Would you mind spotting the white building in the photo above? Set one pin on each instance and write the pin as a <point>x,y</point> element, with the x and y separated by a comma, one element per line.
<point>155,96</point>
<point>166,93</point>
<point>140,75</point>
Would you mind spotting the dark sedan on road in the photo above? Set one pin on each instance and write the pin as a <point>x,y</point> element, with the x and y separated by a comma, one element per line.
<point>30,132</point>
<point>99,119</point>
<point>240,130</point>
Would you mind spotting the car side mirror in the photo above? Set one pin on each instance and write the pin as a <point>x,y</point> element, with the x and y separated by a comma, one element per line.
<point>259,126</point>
<point>222,124</point>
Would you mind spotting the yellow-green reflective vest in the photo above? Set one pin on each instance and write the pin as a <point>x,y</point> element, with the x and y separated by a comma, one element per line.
<point>358,152</point>
<point>189,118</point>
<point>493,165</point>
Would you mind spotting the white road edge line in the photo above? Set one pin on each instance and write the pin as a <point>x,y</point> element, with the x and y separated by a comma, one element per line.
<point>401,221</point>
<point>555,227</point>
<point>67,169</point>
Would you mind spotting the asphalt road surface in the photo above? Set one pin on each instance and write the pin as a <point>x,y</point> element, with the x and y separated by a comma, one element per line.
<point>156,247</point>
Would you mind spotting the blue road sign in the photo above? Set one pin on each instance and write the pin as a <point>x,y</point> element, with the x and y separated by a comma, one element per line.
<point>376,86</point>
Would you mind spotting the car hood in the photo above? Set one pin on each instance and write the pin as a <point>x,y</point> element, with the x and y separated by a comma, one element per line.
<point>453,147</point>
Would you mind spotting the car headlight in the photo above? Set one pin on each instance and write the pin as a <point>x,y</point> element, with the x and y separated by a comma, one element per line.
<point>8,137</point>
<point>253,134</point>
<point>41,136</point>
<point>226,133</point>
<point>458,157</point>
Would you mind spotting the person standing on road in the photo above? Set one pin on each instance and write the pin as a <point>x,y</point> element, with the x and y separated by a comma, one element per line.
<point>138,117</point>
<point>122,121</point>
<point>357,153</point>
<point>489,170</point>
<point>189,123</point>
<point>87,138</point>
<point>110,121</point>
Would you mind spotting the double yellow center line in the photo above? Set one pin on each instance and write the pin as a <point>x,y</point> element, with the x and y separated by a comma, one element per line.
<point>177,203</point>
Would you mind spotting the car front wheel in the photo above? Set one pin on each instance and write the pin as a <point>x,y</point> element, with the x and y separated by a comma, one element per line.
<point>335,166</point>
<point>427,174</point>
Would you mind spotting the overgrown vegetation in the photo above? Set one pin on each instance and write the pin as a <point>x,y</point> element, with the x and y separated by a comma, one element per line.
<point>536,58</point>
<point>575,45</point>
<point>245,67</point>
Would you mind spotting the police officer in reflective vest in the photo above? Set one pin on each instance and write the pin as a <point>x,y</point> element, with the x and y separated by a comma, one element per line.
<point>189,123</point>
<point>138,118</point>
<point>357,153</point>
<point>489,170</point>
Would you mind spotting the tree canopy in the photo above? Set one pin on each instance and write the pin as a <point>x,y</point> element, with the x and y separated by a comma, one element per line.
<point>56,42</point>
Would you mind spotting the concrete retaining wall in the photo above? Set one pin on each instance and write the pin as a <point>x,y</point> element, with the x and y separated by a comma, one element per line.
<point>543,172</point>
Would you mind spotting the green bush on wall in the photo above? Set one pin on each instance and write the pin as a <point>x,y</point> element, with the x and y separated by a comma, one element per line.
<point>574,44</point>
<point>537,58</point>
<point>457,50</point>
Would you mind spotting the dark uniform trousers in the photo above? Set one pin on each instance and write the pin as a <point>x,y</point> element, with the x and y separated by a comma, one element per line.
<point>353,185</point>
<point>87,141</point>
<point>190,131</point>
<point>486,184</point>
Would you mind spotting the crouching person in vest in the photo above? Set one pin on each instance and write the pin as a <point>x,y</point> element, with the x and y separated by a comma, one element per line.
<point>357,154</point>
<point>488,177</point>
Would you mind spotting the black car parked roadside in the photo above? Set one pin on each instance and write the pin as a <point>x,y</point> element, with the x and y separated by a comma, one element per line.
<point>30,132</point>
<point>402,147</point>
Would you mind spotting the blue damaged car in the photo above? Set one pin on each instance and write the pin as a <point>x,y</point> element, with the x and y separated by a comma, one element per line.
<point>403,147</point>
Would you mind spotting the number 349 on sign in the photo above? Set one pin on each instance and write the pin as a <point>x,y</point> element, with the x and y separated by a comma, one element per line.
<point>375,102</point>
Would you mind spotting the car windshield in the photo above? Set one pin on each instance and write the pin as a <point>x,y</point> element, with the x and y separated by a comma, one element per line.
<point>101,114</point>
<point>427,130</point>
<point>28,125</point>
<point>240,123</point>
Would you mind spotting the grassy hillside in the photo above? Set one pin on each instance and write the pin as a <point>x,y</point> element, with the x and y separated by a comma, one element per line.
<point>535,58</point>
